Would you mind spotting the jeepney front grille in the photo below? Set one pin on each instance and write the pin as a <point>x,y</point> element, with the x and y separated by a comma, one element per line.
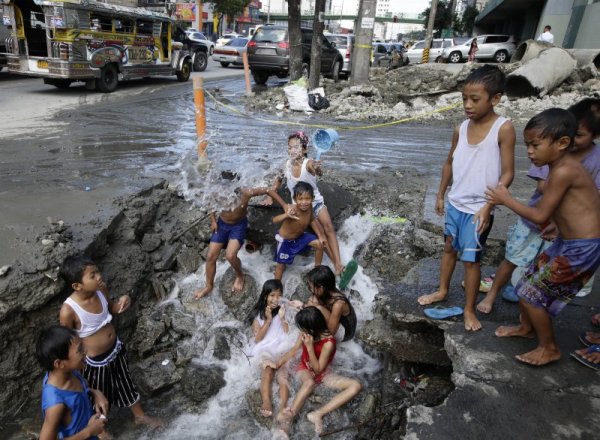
<point>12,45</point>
<point>60,50</point>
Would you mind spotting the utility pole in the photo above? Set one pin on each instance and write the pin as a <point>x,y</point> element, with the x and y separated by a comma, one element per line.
<point>198,15</point>
<point>316,45</point>
<point>429,36</point>
<point>363,31</point>
<point>269,12</point>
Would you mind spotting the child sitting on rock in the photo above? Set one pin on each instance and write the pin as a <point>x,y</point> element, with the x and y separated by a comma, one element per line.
<point>292,238</point>
<point>230,230</point>
<point>66,405</point>
<point>88,310</point>
<point>571,201</point>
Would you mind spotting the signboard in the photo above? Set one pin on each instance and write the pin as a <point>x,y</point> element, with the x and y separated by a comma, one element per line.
<point>367,23</point>
<point>187,12</point>
<point>447,33</point>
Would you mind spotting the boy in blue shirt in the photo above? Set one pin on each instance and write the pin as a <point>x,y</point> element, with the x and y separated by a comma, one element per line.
<point>481,156</point>
<point>66,406</point>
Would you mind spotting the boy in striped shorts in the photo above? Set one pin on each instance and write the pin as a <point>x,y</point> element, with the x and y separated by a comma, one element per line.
<point>88,310</point>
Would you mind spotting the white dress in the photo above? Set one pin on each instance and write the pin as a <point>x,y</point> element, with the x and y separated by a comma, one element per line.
<point>274,344</point>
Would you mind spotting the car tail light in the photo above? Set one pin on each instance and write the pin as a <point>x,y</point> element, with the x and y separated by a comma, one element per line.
<point>252,43</point>
<point>283,44</point>
<point>348,51</point>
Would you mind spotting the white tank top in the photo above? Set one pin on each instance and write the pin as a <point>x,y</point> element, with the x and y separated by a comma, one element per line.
<point>305,176</point>
<point>90,322</point>
<point>475,168</point>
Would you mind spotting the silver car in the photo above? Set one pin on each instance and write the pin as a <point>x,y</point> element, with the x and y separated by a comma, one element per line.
<point>231,53</point>
<point>489,47</point>
<point>415,53</point>
<point>344,43</point>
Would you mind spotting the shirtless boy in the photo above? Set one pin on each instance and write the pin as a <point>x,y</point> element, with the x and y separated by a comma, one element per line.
<point>89,311</point>
<point>292,238</point>
<point>230,230</point>
<point>572,202</point>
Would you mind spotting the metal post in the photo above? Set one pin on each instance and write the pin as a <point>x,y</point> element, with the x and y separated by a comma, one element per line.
<point>429,37</point>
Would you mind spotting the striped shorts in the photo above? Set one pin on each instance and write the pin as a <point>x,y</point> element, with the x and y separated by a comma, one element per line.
<point>109,373</point>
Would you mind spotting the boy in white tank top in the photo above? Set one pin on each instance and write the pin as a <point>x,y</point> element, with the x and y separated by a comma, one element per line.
<point>481,156</point>
<point>88,310</point>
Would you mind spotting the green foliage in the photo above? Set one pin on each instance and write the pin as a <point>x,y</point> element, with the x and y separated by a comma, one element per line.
<point>443,17</point>
<point>468,20</point>
<point>230,7</point>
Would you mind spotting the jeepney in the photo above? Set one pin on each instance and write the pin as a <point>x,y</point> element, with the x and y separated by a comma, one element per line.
<point>90,41</point>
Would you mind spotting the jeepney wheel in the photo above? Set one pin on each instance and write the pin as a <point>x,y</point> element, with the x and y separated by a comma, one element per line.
<point>185,72</point>
<point>61,83</point>
<point>200,61</point>
<point>109,78</point>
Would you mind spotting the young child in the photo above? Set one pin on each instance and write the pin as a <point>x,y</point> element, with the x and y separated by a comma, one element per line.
<point>571,200</point>
<point>299,168</point>
<point>270,336</point>
<point>230,231</point>
<point>88,310</point>
<point>526,239</point>
<point>318,350</point>
<point>66,405</point>
<point>482,154</point>
<point>473,50</point>
<point>321,283</point>
<point>292,238</point>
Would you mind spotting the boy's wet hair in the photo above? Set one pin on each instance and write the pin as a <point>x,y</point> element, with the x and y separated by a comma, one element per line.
<point>303,188</point>
<point>310,320</point>
<point>73,267</point>
<point>587,113</point>
<point>554,124</point>
<point>53,344</point>
<point>229,175</point>
<point>301,136</point>
<point>492,79</point>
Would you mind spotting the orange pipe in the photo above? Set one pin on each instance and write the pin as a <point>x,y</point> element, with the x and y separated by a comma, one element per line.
<point>200,116</point>
<point>247,72</point>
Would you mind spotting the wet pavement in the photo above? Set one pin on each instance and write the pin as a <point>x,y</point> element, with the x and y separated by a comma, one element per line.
<point>75,163</point>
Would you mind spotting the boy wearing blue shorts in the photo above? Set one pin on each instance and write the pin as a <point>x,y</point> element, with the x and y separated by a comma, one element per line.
<point>292,238</point>
<point>481,156</point>
<point>229,231</point>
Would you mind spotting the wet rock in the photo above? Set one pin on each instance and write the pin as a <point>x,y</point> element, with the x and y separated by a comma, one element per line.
<point>221,350</point>
<point>200,383</point>
<point>4,270</point>
<point>168,257</point>
<point>239,304</point>
<point>188,260</point>
<point>254,402</point>
<point>147,335</point>
<point>156,373</point>
<point>151,242</point>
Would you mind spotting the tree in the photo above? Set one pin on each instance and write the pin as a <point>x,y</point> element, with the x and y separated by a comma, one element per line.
<point>316,45</point>
<point>231,8</point>
<point>295,39</point>
<point>467,22</point>
<point>444,17</point>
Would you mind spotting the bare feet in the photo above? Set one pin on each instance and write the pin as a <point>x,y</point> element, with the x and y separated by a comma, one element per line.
<point>238,284</point>
<point>203,292</point>
<point>592,338</point>
<point>266,412</point>
<point>596,320</point>
<point>151,422</point>
<point>505,331</point>
<point>284,420</point>
<point>279,434</point>
<point>286,414</point>
<point>431,298</point>
<point>593,357</point>
<point>339,269</point>
<point>539,356</point>
<point>486,304</point>
<point>471,322</point>
<point>316,420</point>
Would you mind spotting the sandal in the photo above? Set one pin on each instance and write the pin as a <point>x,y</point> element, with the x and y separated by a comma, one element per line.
<point>485,284</point>
<point>440,312</point>
<point>584,361</point>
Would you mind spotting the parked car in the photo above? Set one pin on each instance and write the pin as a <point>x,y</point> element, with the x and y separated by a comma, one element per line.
<point>489,47</point>
<point>415,53</point>
<point>198,50</point>
<point>199,37</point>
<point>395,56</point>
<point>226,37</point>
<point>231,53</point>
<point>269,54</point>
<point>379,51</point>
<point>344,43</point>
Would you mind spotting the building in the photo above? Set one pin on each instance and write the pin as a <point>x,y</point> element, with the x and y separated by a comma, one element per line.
<point>574,22</point>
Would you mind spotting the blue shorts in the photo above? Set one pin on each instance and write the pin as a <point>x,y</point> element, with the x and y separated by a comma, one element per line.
<point>317,208</point>
<point>226,232</point>
<point>523,244</point>
<point>465,239</point>
<point>288,249</point>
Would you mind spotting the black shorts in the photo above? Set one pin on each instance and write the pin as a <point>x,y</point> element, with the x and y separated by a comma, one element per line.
<point>109,373</point>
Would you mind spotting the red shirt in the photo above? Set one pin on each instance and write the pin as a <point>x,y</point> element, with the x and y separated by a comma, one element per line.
<point>305,359</point>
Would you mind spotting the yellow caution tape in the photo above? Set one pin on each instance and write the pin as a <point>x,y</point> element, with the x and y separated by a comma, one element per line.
<point>364,46</point>
<point>339,127</point>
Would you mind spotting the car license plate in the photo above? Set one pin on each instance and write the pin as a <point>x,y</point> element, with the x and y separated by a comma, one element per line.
<point>266,51</point>
<point>42,64</point>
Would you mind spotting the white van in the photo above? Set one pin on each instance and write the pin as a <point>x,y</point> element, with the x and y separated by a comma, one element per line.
<point>415,53</point>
